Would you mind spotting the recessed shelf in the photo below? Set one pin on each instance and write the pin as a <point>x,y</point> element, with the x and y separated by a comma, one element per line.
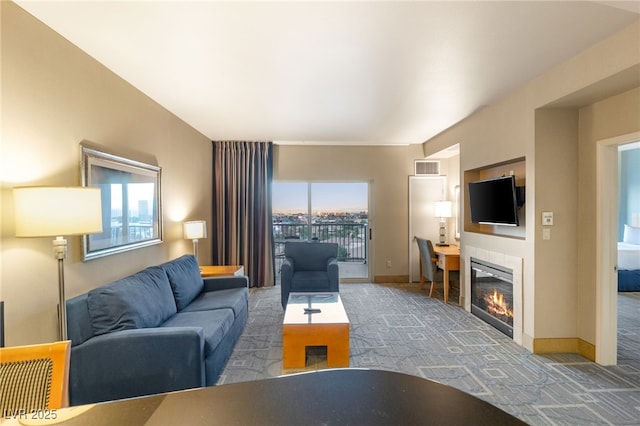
<point>516,167</point>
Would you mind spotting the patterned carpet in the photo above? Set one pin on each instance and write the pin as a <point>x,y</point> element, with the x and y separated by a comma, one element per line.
<point>399,328</point>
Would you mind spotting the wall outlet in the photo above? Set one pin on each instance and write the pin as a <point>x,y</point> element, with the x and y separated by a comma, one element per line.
<point>388,264</point>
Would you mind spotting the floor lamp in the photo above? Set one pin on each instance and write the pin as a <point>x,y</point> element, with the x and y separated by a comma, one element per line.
<point>195,230</point>
<point>57,212</point>
<point>443,211</point>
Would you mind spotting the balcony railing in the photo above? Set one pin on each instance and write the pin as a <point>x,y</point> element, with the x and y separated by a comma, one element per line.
<point>350,237</point>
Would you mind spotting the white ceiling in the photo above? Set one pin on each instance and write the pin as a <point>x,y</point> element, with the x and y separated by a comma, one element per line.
<point>362,72</point>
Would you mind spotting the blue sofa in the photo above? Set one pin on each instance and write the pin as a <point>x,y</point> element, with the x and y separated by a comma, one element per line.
<point>162,329</point>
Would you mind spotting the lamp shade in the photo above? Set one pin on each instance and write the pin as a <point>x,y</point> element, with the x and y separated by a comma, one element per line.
<point>195,229</point>
<point>443,209</point>
<point>57,211</point>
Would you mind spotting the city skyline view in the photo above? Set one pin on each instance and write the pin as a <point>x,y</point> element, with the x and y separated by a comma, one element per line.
<point>293,197</point>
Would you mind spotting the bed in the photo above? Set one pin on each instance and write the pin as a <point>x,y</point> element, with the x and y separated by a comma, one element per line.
<point>629,260</point>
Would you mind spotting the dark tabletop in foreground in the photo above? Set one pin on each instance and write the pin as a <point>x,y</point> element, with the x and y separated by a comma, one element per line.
<point>326,397</point>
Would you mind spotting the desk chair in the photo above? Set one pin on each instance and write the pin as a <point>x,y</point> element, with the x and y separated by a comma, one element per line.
<point>34,377</point>
<point>429,267</point>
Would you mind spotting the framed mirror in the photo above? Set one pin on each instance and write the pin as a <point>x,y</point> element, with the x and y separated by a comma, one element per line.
<point>131,204</point>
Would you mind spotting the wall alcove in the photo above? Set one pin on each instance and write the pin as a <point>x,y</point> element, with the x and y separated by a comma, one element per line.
<point>515,167</point>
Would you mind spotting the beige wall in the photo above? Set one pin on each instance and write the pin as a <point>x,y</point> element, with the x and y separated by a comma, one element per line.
<point>556,182</point>
<point>53,97</point>
<point>558,144</point>
<point>386,168</point>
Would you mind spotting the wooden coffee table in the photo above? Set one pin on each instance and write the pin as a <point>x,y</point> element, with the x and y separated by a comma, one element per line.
<point>329,327</point>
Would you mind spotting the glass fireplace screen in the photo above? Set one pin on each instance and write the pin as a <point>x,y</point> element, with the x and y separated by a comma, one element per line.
<point>492,295</point>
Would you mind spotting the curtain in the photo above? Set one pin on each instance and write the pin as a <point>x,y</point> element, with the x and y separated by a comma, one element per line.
<point>242,178</point>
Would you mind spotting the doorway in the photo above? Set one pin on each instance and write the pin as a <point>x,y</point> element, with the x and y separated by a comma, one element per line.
<point>607,171</point>
<point>423,194</point>
<point>336,212</point>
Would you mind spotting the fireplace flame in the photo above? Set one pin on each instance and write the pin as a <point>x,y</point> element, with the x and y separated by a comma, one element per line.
<point>496,304</point>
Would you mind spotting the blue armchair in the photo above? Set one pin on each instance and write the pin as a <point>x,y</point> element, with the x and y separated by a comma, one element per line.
<point>309,267</point>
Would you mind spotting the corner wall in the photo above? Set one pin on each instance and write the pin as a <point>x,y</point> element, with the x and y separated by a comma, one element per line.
<point>53,97</point>
<point>556,139</point>
<point>614,116</point>
<point>586,86</point>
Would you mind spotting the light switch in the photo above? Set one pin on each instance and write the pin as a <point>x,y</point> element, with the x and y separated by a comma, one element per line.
<point>546,234</point>
<point>547,218</point>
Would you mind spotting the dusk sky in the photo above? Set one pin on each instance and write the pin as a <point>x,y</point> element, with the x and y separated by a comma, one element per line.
<point>349,197</point>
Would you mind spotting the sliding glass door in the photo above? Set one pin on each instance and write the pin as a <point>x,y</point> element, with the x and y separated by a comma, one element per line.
<point>324,212</point>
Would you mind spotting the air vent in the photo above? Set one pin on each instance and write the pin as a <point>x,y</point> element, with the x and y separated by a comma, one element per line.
<point>426,168</point>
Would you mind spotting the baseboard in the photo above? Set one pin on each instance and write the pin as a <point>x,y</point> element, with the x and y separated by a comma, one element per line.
<point>587,350</point>
<point>381,279</point>
<point>565,345</point>
<point>527,342</point>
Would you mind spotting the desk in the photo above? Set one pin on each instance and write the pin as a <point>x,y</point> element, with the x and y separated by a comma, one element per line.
<point>221,271</point>
<point>448,259</point>
<point>325,397</point>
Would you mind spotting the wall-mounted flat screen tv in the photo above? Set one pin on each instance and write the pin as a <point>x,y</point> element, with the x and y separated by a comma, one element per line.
<point>494,201</point>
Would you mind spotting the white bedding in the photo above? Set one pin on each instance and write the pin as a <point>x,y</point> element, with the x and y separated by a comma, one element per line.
<point>628,256</point>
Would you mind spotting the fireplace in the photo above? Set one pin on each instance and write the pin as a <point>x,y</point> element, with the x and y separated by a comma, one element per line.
<point>492,294</point>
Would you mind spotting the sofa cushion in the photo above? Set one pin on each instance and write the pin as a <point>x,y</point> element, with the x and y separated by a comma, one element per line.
<point>215,325</point>
<point>233,298</point>
<point>78,320</point>
<point>185,279</point>
<point>310,280</point>
<point>138,301</point>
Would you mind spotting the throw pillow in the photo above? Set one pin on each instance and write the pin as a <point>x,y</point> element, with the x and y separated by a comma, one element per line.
<point>631,235</point>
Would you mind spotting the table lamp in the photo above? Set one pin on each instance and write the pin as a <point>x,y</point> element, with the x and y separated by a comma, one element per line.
<point>195,230</point>
<point>57,212</point>
<point>443,211</point>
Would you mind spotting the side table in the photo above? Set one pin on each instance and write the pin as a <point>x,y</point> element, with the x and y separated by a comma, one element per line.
<point>221,270</point>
